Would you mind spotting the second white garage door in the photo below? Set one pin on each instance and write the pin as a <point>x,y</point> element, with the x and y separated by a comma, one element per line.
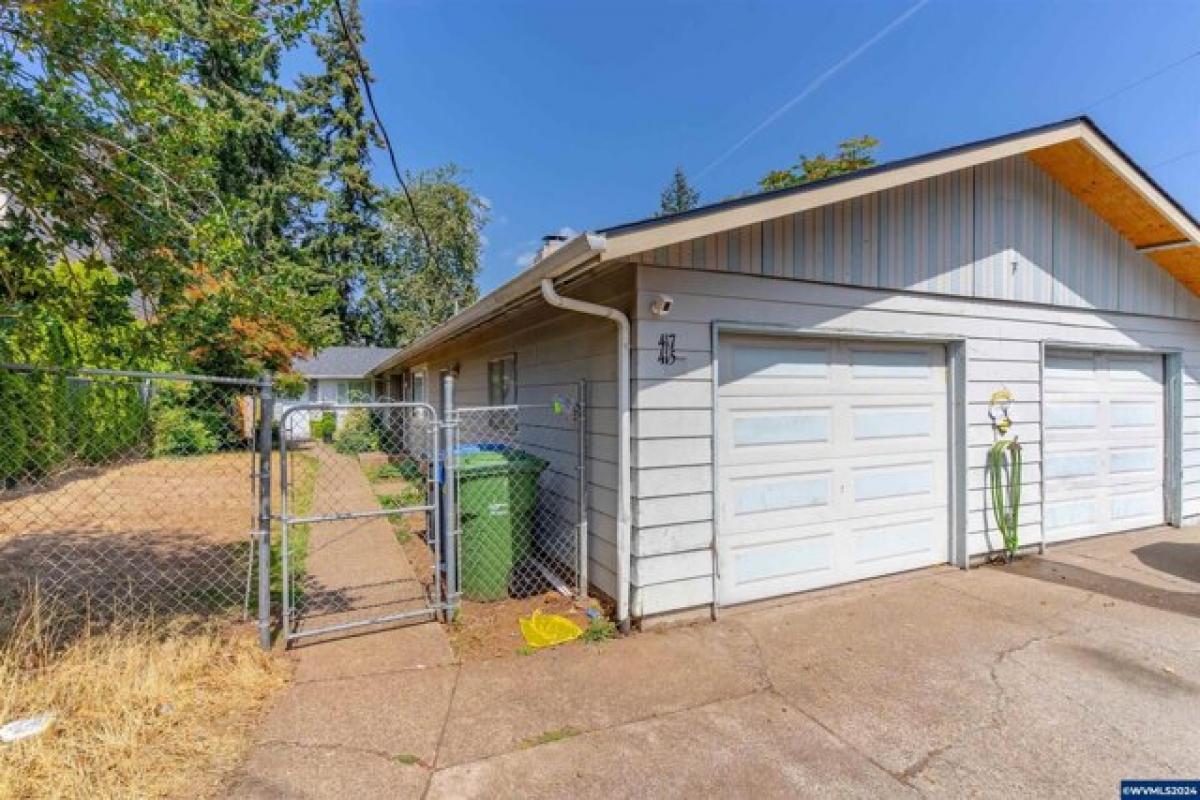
<point>833,462</point>
<point>1104,430</point>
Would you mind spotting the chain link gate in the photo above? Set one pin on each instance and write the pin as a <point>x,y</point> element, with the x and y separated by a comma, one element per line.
<point>360,533</point>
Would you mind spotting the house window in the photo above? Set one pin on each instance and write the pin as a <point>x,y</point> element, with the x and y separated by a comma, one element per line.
<point>359,391</point>
<point>314,391</point>
<point>343,391</point>
<point>416,387</point>
<point>502,381</point>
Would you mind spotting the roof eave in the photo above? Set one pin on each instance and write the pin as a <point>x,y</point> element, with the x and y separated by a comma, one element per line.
<point>573,254</point>
<point>628,240</point>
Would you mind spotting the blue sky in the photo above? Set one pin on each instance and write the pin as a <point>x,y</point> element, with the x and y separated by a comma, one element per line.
<point>573,115</point>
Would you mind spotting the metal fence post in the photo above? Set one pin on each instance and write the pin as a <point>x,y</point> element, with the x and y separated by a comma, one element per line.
<point>582,491</point>
<point>449,504</point>
<point>266,418</point>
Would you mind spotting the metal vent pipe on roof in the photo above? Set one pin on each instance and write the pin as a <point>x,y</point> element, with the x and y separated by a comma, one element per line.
<point>624,450</point>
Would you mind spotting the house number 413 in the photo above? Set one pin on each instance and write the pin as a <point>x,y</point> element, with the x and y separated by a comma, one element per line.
<point>666,349</point>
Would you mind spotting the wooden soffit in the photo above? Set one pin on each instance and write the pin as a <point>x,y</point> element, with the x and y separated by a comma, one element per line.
<point>1118,200</point>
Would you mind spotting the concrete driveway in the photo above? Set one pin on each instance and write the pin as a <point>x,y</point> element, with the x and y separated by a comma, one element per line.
<point>1060,674</point>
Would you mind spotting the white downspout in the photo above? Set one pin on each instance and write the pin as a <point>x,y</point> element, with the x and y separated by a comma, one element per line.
<point>624,450</point>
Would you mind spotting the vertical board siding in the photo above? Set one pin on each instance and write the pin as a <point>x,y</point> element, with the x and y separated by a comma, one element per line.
<point>673,515</point>
<point>1002,231</point>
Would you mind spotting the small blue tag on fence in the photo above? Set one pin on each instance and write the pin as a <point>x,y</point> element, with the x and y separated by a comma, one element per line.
<point>1164,788</point>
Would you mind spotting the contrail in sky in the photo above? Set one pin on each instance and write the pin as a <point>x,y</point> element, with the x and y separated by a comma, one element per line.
<point>815,84</point>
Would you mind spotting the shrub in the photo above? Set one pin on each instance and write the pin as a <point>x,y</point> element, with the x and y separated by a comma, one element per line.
<point>180,432</point>
<point>357,434</point>
<point>189,419</point>
<point>324,426</point>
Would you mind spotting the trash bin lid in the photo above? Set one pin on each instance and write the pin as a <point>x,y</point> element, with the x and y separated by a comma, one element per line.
<point>478,462</point>
<point>482,447</point>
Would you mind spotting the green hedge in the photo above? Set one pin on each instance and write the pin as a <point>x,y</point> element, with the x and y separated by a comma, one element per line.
<point>50,421</point>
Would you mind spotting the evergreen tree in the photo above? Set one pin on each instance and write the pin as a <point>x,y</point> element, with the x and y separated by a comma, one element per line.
<point>336,139</point>
<point>390,287</point>
<point>679,195</point>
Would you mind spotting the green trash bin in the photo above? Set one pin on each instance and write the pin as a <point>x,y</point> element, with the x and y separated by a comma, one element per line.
<point>497,496</point>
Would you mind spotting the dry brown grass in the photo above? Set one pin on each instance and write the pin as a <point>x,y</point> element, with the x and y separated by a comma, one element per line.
<point>160,709</point>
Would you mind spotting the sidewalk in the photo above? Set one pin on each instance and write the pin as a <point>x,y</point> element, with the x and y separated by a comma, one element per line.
<point>1041,678</point>
<point>362,702</point>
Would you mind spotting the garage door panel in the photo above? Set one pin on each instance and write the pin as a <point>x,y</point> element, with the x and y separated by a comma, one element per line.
<point>895,544</point>
<point>1132,462</point>
<point>905,484</point>
<point>777,501</point>
<point>833,463</point>
<point>750,430</point>
<point>1072,415</point>
<point>877,422</point>
<point>1135,415</point>
<point>1103,468</point>
<point>893,364</point>
<point>1070,515</point>
<point>1130,372</point>
<point>777,564</point>
<point>1137,506</point>
<point>754,363</point>
<point>1073,465</point>
<point>1070,367</point>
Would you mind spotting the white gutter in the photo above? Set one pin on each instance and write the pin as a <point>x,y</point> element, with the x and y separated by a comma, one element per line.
<point>572,254</point>
<point>624,450</point>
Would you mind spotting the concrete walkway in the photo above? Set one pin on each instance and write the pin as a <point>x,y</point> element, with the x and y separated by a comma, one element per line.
<point>1058,675</point>
<point>355,568</point>
<point>358,695</point>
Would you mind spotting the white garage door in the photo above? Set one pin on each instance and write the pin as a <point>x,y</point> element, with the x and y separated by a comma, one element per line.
<point>1104,429</point>
<point>833,462</point>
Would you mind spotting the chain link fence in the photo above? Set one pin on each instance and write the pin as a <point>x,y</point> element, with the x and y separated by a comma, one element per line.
<point>130,495</point>
<point>520,499</point>
<point>127,495</point>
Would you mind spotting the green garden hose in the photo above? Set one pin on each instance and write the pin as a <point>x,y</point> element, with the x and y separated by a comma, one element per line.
<point>1004,475</point>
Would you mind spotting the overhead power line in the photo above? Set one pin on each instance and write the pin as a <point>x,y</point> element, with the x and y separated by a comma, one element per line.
<point>1141,80</point>
<point>815,84</point>
<point>1176,157</point>
<point>387,142</point>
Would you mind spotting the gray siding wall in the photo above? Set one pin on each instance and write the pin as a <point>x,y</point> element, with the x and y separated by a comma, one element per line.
<point>554,350</point>
<point>1000,231</point>
<point>673,479</point>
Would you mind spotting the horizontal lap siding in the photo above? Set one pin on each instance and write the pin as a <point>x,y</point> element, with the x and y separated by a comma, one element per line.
<point>673,449</point>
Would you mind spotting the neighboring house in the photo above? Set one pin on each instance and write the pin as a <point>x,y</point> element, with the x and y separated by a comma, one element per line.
<point>337,375</point>
<point>810,369</point>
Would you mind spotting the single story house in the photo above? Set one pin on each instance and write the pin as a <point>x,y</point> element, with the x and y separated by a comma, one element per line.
<point>336,375</point>
<point>792,390</point>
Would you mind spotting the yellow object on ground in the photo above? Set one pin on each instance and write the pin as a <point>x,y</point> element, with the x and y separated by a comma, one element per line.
<point>546,630</point>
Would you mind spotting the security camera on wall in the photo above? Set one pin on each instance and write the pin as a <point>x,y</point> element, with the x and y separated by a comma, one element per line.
<point>661,305</point>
